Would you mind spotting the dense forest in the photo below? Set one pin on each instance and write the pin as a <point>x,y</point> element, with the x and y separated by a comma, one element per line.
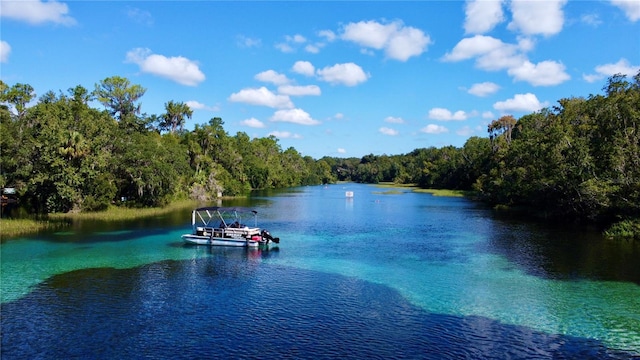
<point>578,160</point>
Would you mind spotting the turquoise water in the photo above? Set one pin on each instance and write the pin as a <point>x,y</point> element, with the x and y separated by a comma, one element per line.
<point>444,256</point>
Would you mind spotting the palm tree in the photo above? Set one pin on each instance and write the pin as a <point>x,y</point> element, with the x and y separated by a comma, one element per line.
<point>175,116</point>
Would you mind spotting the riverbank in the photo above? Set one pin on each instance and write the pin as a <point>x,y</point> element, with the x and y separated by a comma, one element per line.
<point>10,228</point>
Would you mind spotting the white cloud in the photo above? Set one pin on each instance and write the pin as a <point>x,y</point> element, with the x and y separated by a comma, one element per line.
<point>482,16</point>
<point>273,77</point>
<point>398,42</point>
<point>631,8</point>
<point>285,48</point>
<point>195,105</point>
<point>483,89</point>
<point>341,151</point>
<point>37,12</point>
<point>297,90</point>
<point>621,67</point>
<point>178,69</point>
<point>520,102</point>
<point>261,96</point>
<point>327,34</point>
<point>313,48</point>
<point>388,131</point>
<point>348,74</point>
<point>252,122</point>
<point>434,129</point>
<point>295,116</point>
<point>537,17</point>
<point>446,115</point>
<point>5,50</point>
<point>298,39</point>
<point>545,73</point>
<point>492,54</point>
<point>285,135</point>
<point>394,120</point>
<point>304,68</point>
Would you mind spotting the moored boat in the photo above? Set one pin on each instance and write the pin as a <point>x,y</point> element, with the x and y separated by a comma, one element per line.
<point>224,226</point>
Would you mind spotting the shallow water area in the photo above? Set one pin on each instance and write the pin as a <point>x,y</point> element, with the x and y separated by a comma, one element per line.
<point>382,274</point>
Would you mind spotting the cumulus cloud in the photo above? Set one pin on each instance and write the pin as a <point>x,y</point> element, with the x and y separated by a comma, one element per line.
<point>348,74</point>
<point>341,151</point>
<point>304,68</point>
<point>394,120</point>
<point>37,12</point>
<point>285,135</point>
<point>446,115</point>
<point>483,89</point>
<point>492,54</point>
<point>482,16</point>
<point>261,96</point>
<point>631,8</point>
<point>520,102</point>
<point>388,131</point>
<point>5,50</point>
<point>177,68</point>
<point>298,90</point>
<point>252,122</point>
<point>327,35</point>
<point>537,17</point>
<point>273,77</point>
<point>295,116</point>
<point>545,73</point>
<point>434,129</point>
<point>606,70</point>
<point>291,42</point>
<point>195,105</point>
<point>398,42</point>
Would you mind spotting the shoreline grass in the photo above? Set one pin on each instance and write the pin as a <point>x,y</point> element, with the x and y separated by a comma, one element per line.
<point>10,228</point>
<point>115,213</point>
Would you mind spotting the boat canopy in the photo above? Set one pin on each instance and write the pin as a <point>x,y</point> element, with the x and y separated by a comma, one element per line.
<point>227,209</point>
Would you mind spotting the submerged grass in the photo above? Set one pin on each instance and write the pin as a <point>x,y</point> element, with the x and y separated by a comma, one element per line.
<point>414,187</point>
<point>445,192</point>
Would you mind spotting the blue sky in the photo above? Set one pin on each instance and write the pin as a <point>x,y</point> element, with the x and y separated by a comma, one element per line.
<point>329,78</point>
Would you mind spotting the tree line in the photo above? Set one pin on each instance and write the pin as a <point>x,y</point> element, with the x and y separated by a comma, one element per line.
<point>577,160</point>
<point>62,154</point>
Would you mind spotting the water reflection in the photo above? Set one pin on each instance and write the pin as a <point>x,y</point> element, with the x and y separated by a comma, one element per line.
<point>565,253</point>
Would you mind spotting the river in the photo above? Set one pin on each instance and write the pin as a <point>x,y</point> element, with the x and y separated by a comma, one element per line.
<point>386,274</point>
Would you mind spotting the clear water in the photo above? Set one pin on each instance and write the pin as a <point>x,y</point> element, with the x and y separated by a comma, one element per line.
<point>382,275</point>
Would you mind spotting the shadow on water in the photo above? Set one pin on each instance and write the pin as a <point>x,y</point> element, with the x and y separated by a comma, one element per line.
<point>564,252</point>
<point>227,304</point>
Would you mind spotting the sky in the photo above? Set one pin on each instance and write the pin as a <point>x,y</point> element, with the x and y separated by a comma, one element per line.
<point>329,78</point>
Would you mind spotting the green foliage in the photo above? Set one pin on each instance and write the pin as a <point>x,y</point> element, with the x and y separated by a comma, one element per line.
<point>578,160</point>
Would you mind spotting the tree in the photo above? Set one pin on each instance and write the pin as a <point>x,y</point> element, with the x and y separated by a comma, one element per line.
<point>19,95</point>
<point>175,115</point>
<point>119,96</point>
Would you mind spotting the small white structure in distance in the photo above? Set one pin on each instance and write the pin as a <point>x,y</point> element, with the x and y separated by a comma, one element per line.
<point>348,194</point>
